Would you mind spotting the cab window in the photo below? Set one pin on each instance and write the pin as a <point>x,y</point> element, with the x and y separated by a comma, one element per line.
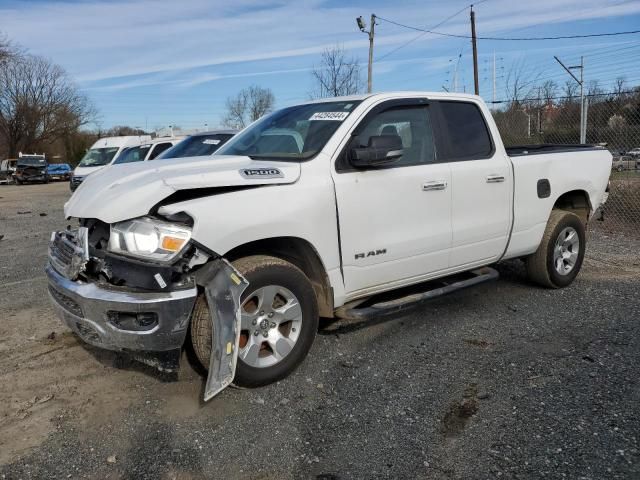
<point>412,124</point>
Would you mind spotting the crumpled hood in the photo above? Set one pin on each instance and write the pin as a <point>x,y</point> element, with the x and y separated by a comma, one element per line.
<point>121,192</point>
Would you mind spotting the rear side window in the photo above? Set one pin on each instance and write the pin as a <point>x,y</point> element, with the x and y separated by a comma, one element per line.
<point>159,148</point>
<point>466,131</point>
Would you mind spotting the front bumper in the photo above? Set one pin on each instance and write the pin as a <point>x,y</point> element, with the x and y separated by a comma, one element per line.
<point>92,312</point>
<point>31,178</point>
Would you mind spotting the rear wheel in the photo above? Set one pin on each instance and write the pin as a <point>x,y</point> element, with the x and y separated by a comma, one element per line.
<point>559,257</point>
<point>279,321</point>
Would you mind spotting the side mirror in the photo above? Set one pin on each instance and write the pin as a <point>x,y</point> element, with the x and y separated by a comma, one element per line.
<point>381,150</point>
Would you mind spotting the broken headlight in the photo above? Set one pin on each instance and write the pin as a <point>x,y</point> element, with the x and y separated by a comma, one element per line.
<point>149,238</point>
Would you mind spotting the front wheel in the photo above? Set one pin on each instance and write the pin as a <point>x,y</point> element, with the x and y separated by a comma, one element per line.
<point>559,257</point>
<point>279,321</point>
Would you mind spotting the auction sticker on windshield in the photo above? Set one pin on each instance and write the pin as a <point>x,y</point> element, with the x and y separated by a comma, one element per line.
<point>338,116</point>
<point>211,141</point>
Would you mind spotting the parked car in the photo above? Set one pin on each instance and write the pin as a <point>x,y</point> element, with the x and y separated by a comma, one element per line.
<point>7,169</point>
<point>31,168</point>
<point>635,153</point>
<point>103,153</point>
<point>324,209</point>
<point>146,151</point>
<point>624,162</point>
<point>198,144</point>
<point>59,171</point>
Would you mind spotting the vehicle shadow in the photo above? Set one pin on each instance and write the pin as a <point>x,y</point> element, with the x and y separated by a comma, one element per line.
<point>512,272</point>
<point>127,362</point>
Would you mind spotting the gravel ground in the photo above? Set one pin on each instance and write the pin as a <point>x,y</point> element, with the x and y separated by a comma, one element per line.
<point>501,380</point>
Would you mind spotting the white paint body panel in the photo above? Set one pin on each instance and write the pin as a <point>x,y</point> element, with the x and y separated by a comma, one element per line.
<point>426,234</point>
<point>116,194</point>
<point>387,209</point>
<point>588,170</point>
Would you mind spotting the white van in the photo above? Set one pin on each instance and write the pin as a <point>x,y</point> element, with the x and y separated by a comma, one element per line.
<point>146,151</point>
<point>103,153</point>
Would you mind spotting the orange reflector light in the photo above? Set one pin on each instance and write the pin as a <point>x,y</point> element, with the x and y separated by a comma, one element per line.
<point>172,244</point>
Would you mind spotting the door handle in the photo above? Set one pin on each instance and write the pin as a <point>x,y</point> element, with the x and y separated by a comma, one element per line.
<point>495,178</point>
<point>435,185</point>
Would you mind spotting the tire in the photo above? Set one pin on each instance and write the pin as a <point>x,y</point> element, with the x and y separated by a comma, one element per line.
<point>559,257</point>
<point>264,274</point>
<point>620,168</point>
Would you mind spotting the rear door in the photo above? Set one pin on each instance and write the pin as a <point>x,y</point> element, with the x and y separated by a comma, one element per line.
<point>395,222</point>
<point>482,185</point>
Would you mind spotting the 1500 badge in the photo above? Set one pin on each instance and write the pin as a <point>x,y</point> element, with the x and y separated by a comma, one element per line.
<point>261,173</point>
<point>372,253</point>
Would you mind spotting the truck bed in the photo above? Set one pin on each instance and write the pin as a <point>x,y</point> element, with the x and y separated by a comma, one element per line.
<point>519,150</point>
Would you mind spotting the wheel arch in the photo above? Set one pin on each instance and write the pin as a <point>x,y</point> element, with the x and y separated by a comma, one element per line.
<point>575,201</point>
<point>299,252</point>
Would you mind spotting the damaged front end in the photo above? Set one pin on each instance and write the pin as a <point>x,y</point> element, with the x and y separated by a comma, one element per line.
<point>143,307</point>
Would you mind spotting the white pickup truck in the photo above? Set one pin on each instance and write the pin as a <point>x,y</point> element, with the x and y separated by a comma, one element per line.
<point>350,207</point>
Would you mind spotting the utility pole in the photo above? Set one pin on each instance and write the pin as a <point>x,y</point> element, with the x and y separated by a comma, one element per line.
<point>475,52</point>
<point>539,112</point>
<point>583,116</point>
<point>583,112</point>
<point>493,96</point>
<point>371,32</point>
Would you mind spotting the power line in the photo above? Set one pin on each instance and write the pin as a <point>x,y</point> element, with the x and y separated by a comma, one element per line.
<point>567,97</point>
<point>510,39</point>
<point>420,35</point>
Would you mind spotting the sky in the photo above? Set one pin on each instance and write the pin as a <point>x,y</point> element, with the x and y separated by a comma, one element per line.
<point>154,63</point>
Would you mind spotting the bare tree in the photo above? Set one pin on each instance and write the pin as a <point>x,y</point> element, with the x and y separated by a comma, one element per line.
<point>594,88</point>
<point>620,87</point>
<point>7,49</point>
<point>549,90</point>
<point>518,83</point>
<point>570,90</point>
<point>38,103</point>
<point>119,130</point>
<point>248,105</point>
<point>337,75</point>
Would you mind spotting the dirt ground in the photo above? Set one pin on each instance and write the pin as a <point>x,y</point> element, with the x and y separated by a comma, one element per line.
<point>505,379</point>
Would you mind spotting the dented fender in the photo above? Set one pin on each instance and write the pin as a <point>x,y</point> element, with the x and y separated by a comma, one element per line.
<point>223,286</point>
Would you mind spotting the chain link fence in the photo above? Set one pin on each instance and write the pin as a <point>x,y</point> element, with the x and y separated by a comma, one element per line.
<point>613,119</point>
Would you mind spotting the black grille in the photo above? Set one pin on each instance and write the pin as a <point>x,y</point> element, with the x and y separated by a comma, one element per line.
<point>66,302</point>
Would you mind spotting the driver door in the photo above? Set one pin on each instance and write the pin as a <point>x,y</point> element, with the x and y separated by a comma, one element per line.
<point>394,220</point>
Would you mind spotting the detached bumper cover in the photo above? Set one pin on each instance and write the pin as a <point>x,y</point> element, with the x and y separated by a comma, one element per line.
<point>92,311</point>
<point>223,286</point>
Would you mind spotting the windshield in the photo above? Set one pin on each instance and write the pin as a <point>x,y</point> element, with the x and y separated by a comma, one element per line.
<point>31,161</point>
<point>133,154</point>
<point>293,133</point>
<point>97,157</point>
<point>197,145</point>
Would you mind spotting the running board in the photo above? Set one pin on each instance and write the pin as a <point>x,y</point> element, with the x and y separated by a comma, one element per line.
<point>385,304</point>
